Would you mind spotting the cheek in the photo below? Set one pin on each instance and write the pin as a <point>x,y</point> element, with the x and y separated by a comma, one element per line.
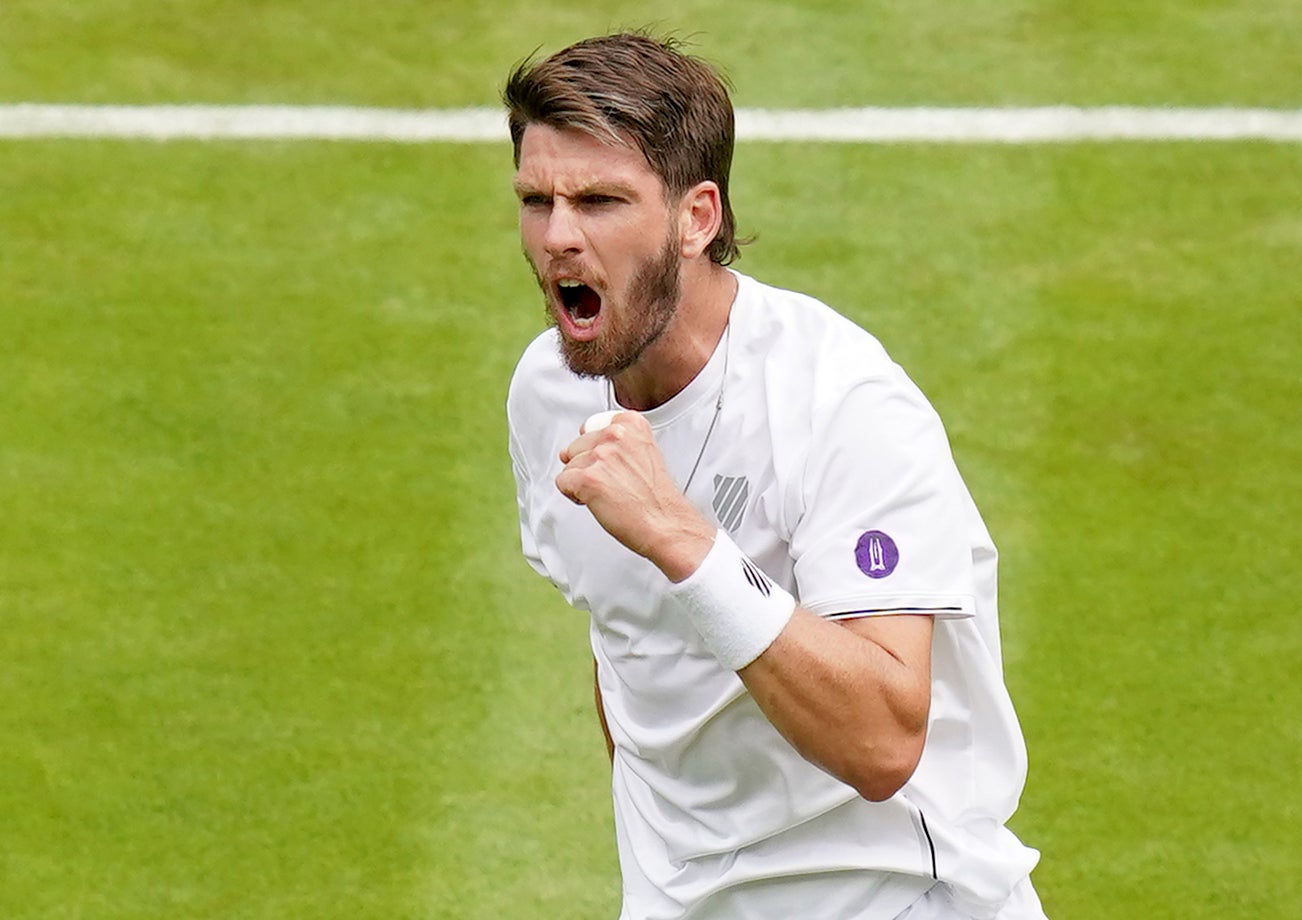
<point>625,252</point>
<point>531,241</point>
<point>530,229</point>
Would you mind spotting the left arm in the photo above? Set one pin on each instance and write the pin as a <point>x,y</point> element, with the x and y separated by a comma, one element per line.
<point>851,697</point>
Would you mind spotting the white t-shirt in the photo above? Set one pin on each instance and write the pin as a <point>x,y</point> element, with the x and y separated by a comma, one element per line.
<point>829,468</point>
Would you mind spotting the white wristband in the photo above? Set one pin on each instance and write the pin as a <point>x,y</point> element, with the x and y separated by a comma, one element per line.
<point>737,609</point>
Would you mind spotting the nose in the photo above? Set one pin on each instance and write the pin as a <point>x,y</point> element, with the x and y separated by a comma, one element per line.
<point>563,235</point>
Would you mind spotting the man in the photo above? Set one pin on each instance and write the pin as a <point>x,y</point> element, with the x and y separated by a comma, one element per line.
<point>791,593</point>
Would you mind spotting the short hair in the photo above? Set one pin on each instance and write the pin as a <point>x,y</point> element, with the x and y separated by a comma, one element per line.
<point>633,87</point>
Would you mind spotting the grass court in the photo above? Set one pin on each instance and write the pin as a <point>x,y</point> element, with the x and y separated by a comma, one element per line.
<point>267,645</point>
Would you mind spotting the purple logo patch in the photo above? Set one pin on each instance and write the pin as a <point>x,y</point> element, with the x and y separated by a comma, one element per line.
<point>876,554</point>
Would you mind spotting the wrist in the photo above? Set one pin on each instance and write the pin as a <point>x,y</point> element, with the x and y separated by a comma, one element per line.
<point>737,609</point>
<point>679,551</point>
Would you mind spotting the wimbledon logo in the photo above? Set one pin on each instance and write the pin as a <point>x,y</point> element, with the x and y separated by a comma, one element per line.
<point>876,554</point>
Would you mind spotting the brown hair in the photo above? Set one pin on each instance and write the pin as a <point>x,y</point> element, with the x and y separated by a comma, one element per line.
<point>630,86</point>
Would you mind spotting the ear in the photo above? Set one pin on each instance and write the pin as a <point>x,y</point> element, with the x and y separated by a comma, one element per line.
<point>700,215</point>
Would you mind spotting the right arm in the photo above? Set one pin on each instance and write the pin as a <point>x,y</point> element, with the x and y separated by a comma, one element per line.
<point>601,712</point>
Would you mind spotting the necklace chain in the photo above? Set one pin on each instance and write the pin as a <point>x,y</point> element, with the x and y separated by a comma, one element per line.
<point>718,405</point>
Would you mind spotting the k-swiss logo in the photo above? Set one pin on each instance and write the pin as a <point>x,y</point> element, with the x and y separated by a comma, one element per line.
<point>758,580</point>
<point>730,496</point>
<point>876,554</point>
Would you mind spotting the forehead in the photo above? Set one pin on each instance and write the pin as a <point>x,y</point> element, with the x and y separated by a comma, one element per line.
<point>564,157</point>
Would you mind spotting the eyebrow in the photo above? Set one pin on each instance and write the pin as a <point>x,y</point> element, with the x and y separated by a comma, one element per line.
<point>620,189</point>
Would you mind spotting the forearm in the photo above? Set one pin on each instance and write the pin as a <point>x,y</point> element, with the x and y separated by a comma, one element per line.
<point>846,702</point>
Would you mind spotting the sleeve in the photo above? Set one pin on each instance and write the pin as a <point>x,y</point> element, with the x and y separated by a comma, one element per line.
<point>528,543</point>
<point>884,522</point>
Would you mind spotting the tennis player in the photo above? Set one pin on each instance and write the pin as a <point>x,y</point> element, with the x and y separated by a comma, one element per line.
<point>791,593</point>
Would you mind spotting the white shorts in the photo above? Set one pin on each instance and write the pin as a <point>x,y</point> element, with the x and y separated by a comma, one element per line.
<point>936,904</point>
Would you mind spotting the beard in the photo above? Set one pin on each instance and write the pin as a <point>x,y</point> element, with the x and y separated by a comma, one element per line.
<point>633,326</point>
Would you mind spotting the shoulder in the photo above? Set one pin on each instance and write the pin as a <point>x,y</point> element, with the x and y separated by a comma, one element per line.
<point>545,400</point>
<point>831,394</point>
<point>538,371</point>
<point>807,338</point>
<point>810,355</point>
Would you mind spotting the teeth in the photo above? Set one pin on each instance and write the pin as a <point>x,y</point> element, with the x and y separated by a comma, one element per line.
<point>577,300</point>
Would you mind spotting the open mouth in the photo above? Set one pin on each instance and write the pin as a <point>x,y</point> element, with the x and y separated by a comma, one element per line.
<point>581,303</point>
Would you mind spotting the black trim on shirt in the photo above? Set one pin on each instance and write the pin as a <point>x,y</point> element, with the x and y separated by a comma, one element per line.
<point>927,833</point>
<point>870,611</point>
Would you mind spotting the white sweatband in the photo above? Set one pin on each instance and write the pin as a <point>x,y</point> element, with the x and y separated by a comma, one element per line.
<point>737,609</point>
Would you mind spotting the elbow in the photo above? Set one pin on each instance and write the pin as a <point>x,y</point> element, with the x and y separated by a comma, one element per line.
<point>881,773</point>
<point>883,785</point>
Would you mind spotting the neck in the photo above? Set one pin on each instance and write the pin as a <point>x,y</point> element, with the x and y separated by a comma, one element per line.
<point>687,343</point>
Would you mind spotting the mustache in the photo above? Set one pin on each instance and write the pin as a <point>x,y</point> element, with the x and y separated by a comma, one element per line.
<point>560,268</point>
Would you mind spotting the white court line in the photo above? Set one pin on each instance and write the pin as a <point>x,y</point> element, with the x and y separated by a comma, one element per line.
<point>871,125</point>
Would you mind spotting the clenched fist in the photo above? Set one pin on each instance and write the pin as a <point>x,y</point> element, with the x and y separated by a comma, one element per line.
<point>618,473</point>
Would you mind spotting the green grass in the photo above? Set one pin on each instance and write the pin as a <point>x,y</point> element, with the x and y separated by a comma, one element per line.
<point>780,53</point>
<point>264,622</point>
<point>269,648</point>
